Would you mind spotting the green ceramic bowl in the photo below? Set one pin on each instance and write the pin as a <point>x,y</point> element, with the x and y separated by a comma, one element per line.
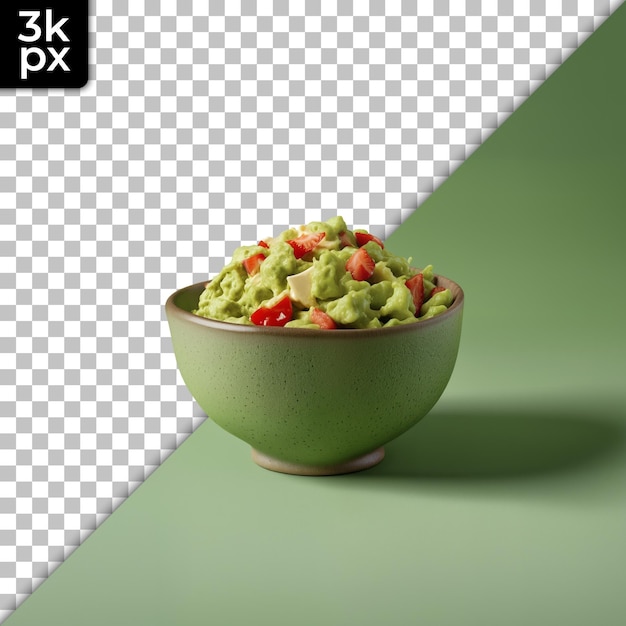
<point>314,401</point>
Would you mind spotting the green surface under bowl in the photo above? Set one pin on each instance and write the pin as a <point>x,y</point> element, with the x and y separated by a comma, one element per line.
<point>314,401</point>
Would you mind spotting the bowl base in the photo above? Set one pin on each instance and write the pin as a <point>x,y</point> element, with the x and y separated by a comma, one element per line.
<point>358,464</point>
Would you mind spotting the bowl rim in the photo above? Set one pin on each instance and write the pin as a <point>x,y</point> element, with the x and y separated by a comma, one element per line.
<point>173,310</point>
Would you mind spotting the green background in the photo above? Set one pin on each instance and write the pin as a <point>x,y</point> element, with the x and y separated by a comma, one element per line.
<point>507,504</point>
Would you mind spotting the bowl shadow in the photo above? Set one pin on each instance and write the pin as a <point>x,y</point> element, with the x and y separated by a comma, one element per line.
<point>473,443</point>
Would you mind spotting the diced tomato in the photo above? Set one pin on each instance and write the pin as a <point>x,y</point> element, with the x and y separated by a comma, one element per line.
<point>322,319</point>
<point>360,265</point>
<point>252,264</point>
<point>344,240</point>
<point>263,244</point>
<point>305,243</point>
<point>416,287</point>
<point>363,238</point>
<point>277,315</point>
<point>436,290</point>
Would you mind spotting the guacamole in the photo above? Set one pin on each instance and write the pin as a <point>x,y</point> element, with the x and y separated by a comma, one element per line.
<point>322,275</point>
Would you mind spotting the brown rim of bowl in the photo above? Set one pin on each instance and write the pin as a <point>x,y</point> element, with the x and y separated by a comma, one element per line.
<point>174,309</point>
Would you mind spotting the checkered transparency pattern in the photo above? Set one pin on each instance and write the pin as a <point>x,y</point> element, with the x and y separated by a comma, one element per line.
<point>207,124</point>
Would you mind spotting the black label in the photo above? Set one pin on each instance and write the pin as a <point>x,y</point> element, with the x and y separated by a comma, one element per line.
<point>43,43</point>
